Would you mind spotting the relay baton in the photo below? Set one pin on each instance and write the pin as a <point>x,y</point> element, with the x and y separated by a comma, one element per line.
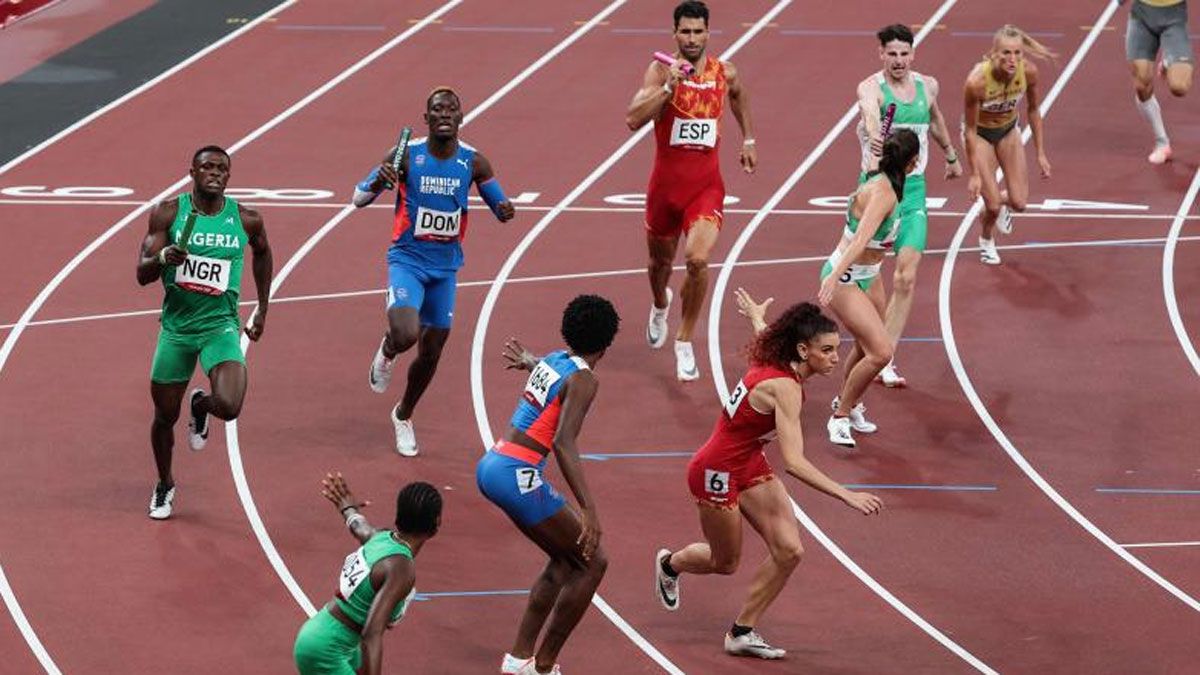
<point>186,233</point>
<point>885,126</point>
<point>668,61</point>
<point>401,150</point>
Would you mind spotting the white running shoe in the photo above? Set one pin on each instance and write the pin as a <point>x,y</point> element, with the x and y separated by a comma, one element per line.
<point>381,370</point>
<point>530,668</point>
<point>511,665</point>
<point>160,501</point>
<point>752,644</point>
<point>988,255</point>
<point>839,431</point>
<point>858,417</point>
<point>685,362</point>
<point>666,587</point>
<point>1161,155</point>
<point>1004,220</point>
<point>656,330</point>
<point>406,438</point>
<point>197,425</point>
<point>890,378</point>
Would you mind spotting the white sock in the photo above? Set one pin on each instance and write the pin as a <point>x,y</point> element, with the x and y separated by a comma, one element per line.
<point>1153,114</point>
<point>987,243</point>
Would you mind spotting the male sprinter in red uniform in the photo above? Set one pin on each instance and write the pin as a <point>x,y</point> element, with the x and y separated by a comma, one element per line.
<point>686,194</point>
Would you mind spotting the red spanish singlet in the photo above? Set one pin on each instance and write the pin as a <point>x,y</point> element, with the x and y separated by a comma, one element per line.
<point>732,460</point>
<point>686,184</point>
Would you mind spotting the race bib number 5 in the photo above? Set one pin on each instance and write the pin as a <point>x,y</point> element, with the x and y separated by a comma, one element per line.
<point>537,387</point>
<point>694,132</point>
<point>209,276</point>
<point>432,224</point>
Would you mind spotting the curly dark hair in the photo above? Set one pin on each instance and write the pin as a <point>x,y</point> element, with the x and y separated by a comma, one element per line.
<point>589,324</point>
<point>776,344</point>
<point>418,509</point>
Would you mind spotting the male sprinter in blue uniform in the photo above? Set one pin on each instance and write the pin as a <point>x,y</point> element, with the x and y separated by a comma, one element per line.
<point>426,251</point>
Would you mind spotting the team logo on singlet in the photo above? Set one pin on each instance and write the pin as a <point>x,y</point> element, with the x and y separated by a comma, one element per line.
<point>433,224</point>
<point>537,387</point>
<point>208,276</point>
<point>694,132</point>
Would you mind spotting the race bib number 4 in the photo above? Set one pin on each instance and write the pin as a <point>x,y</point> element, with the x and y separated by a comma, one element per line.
<point>694,132</point>
<point>537,387</point>
<point>198,274</point>
<point>432,224</point>
<point>354,571</point>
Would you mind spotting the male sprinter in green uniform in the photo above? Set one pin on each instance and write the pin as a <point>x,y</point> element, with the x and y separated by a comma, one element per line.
<point>915,96</point>
<point>202,278</point>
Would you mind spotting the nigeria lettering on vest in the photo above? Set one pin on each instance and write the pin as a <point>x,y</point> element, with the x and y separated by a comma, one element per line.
<point>215,240</point>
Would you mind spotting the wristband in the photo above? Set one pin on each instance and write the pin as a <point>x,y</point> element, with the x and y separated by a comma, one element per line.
<point>162,256</point>
<point>347,508</point>
<point>354,517</point>
<point>748,141</point>
<point>952,159</point>
<point>493,195</point>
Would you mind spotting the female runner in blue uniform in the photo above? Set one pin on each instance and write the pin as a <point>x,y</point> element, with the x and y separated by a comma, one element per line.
<point>428,228</point>
<point>548,417</point>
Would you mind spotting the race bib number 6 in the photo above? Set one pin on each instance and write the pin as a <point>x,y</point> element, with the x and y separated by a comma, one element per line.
<point>694,132</point>
<point>432,224</point>
<point>716,482</point>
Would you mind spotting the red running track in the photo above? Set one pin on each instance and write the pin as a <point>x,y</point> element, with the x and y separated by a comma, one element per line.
<point>1078,331</point>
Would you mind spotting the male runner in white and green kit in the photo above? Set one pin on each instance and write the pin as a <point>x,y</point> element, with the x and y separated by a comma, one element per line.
<point>376,584</point>
<point>915,96</point>
<point>202,279</point>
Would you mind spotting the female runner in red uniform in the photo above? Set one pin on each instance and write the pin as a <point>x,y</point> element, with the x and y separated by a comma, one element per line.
<point>730,477</point>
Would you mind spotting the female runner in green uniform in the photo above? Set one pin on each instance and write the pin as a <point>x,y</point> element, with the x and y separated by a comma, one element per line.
<point>871,229</point>
<point>375,585</point>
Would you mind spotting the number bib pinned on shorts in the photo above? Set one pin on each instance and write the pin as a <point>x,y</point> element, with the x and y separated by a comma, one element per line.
<point>694,132</point>
<point>442,225</point>
<point>208,276</point>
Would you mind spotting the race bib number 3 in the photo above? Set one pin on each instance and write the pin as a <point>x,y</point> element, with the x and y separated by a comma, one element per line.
<point>209,276</point>
<point>735,398</point>
<point>354,571</point>
<point>694,132</point>
<point>528,480</point>
<point>537,387</point>
<point>432,224</point>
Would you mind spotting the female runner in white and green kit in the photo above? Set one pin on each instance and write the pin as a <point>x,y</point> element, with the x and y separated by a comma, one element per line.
<point>375,585</point>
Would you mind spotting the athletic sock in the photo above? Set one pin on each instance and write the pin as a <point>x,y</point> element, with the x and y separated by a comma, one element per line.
<point>1153,114</point>
<point>666,567</point>
<point>739,630</point>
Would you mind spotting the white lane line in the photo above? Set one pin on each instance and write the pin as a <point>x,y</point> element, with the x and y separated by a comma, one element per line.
<point>1162,544</point>
<point>269,14</point>
<point>722,387</point>
<point>10,599</point>
<point>489,304</point>
<point>964,380</point>
<point>1168,272</point>
<point>1071,215</point>
<point>600,274</point>
<point>232,441</point>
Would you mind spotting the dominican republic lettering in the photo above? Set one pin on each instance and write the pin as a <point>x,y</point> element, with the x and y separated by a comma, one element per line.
<point>439,185</point>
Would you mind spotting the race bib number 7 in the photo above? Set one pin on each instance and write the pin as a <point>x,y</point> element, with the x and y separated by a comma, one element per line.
<point>208,276</point>
<point>694,132</point>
